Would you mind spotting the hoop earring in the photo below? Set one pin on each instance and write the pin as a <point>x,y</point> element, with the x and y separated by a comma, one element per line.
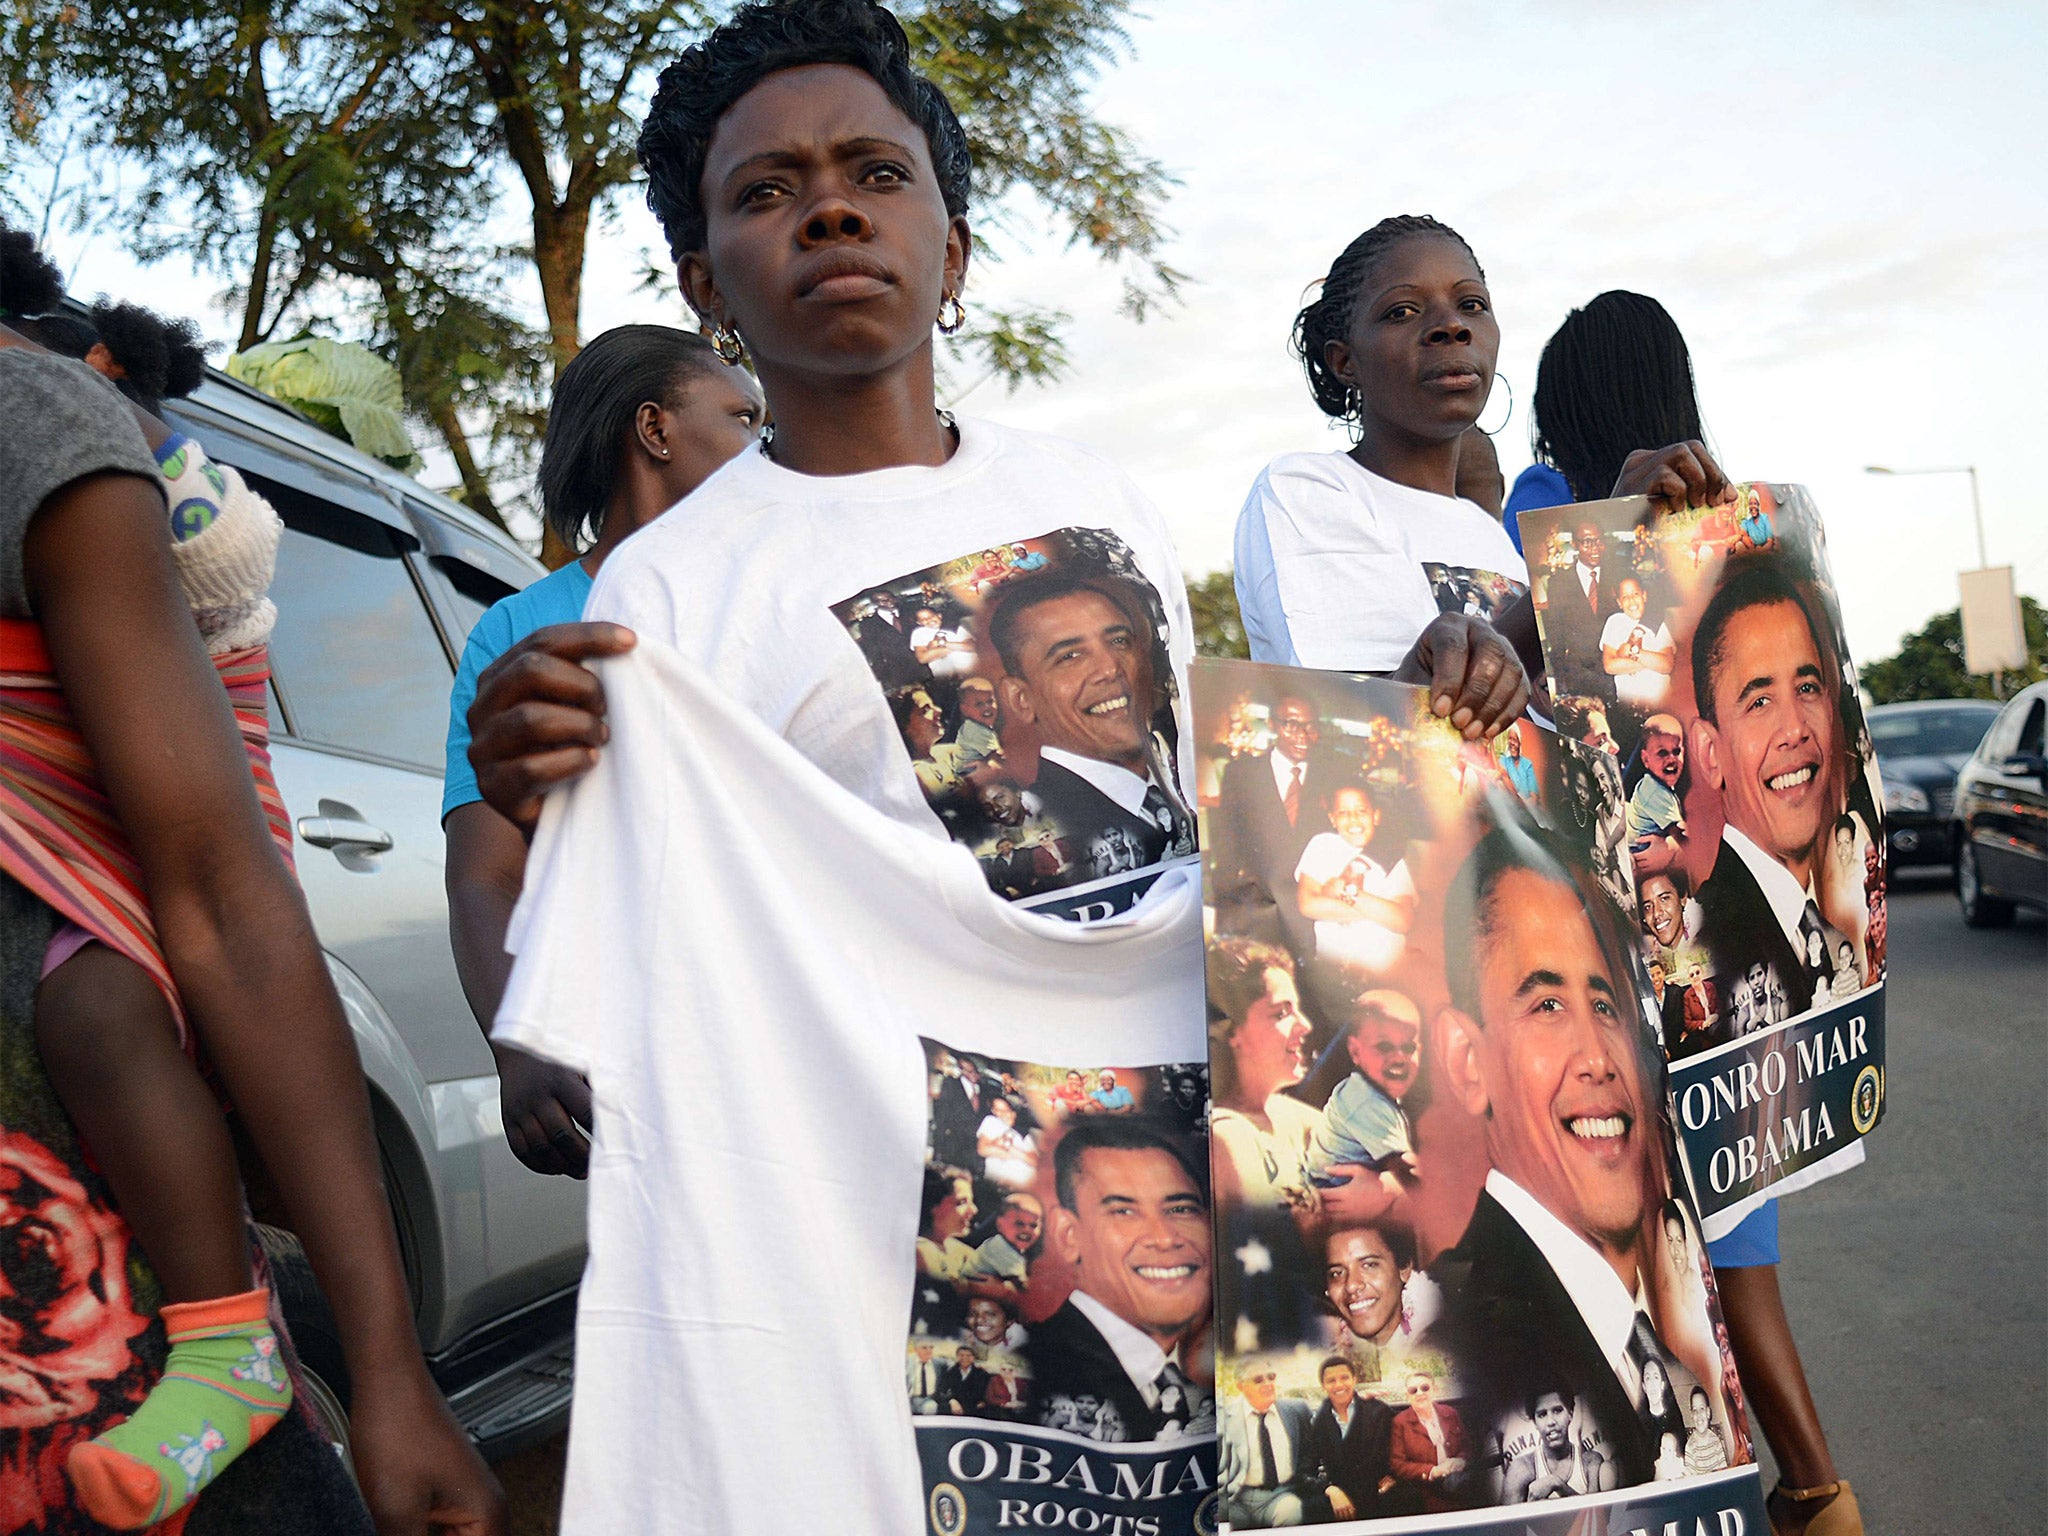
<point>725,341</point>
<point>952,314</point>
<point>1502,380</point>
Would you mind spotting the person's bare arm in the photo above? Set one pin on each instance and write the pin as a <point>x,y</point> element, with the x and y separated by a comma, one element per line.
<point>241,946</point>
<point>545,1106</point>
<point>1517,625</point>
<point>1318,901</point>
<point>538,719</point>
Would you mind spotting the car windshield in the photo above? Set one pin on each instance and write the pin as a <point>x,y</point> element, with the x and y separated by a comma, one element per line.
<point>1931,732</point>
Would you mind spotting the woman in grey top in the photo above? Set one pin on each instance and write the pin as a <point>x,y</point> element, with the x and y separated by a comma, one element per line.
<point>85,554</point>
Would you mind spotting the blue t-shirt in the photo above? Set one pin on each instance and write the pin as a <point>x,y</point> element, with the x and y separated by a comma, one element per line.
<point>557,598</point>
<point>1537,486</point>
<point>1115,1098</point>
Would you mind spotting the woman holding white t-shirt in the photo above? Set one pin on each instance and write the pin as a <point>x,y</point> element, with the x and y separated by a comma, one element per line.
<point>1338,555</point>
<point>813,191</point>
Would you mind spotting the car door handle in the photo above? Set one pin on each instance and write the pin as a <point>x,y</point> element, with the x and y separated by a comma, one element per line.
<point>342,826</point>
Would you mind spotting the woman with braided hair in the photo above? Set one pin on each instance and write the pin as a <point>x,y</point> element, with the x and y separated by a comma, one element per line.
<point>1342,558</point>
<point>1618,373</point>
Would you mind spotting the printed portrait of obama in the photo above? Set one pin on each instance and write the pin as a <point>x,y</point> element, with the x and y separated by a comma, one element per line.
<point>1769,737</point>
<point>1554,1279</point>
<point>1081,674</point>
<point>1134,1333</point>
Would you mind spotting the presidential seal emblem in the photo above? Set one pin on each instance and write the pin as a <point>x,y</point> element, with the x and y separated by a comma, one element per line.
<point>1866,1098</point>
<point>948,1510</point>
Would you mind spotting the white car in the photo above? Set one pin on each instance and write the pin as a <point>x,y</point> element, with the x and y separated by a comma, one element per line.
<point>378,583</point>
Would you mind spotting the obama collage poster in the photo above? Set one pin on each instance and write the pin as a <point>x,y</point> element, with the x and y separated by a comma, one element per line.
<point>1701,654</point>
<point>1461,1280</point>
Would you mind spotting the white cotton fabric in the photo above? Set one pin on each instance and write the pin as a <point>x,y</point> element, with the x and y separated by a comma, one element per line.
<point>738,925</point>
<point>740,955</point>
<point>740,577</point>
<point>1329,561</point>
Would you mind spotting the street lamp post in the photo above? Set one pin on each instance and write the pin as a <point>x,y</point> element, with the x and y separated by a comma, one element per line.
<point>1976,511</point>
<point>1976,505</point>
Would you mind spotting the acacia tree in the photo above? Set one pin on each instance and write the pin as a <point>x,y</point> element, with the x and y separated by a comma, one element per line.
<point>563,82</point>
<point>1930,662</point>
<point>308,153</point>
<point>347,155</point>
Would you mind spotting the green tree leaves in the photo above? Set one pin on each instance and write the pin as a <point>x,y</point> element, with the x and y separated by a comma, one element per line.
<point>1929,664</point>
<point>351,167</point>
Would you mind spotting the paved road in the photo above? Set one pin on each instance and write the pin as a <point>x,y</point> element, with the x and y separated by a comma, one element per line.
<point>1917,1283</point>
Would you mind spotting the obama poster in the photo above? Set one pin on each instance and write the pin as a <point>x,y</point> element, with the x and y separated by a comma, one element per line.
<point>1461,1280</point>
<point>1701,654</point>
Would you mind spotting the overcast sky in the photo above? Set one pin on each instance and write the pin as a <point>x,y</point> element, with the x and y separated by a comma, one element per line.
<point>1844,205</point>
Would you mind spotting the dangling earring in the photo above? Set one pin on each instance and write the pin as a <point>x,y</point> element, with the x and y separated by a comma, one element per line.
<point>952,314</point>
<point>725,341</point>
<point>1502,380</point>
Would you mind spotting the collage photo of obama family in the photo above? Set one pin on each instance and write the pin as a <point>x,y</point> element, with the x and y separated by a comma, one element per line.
<point>1032,687</point>
<point>1452,1274</point>
<point>1705,655</point>
<point>1008,1320</point>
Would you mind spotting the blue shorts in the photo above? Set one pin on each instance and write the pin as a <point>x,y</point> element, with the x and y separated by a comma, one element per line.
<point>1754,1241</point>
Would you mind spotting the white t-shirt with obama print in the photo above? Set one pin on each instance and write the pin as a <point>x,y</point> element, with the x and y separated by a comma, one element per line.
<point>751,932</point>
<point>760,577</point>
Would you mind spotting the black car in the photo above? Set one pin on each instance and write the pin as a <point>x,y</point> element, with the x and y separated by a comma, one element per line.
<point>2001,847</point>
<point>1920,748</point>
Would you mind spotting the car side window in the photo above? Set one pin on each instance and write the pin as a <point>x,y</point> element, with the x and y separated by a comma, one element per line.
<point>1998,743</point>
<point>467,593</point>
<point>358,661</point>
<point>2030,733</point>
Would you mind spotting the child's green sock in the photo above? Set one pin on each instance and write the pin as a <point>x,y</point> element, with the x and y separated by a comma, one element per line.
<point>222,1388</point>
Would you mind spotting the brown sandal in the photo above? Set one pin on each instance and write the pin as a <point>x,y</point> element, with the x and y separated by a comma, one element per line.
<point>1840,1516</point>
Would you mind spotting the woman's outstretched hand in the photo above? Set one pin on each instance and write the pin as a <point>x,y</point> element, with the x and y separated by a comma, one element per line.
<point>1677,476</point>
<point>1474,678</point>
<point>538,719</point>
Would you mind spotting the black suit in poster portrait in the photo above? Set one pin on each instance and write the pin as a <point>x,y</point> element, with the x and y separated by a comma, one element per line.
<point>957,1114</point>
<point>1070,1358</point>
<point>1573,621</point>
<point>1082,813</point>
<point>887,649</point>
<point>965,1389</point>
<point>1740,930</point>
<point>1356,1457</point>
<point>1516,1331</point>
<point>1257,849</point>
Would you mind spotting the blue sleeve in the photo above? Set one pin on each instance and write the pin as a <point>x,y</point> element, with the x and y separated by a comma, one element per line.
<point>1537,486</point>
<point>488,640</point>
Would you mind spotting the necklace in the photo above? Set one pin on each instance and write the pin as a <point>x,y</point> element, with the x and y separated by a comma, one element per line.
<point>767,438</point>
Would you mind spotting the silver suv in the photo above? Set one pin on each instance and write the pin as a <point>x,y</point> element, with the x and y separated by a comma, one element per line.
<point>378,583</point>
